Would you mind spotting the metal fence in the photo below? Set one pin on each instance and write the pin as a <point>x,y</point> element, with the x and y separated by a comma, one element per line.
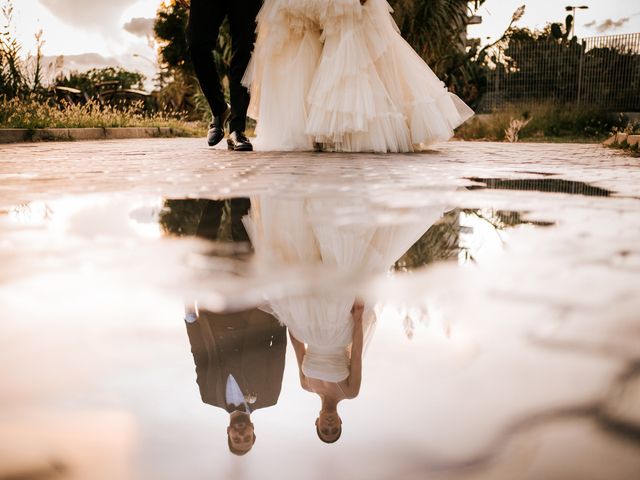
<point>597,71</point>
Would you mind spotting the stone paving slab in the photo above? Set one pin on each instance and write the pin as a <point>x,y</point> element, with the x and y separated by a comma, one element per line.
<point>177,167</point>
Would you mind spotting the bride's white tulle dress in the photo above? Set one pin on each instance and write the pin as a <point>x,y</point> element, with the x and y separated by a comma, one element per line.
<point>339,73</point>
<point>282,234</point>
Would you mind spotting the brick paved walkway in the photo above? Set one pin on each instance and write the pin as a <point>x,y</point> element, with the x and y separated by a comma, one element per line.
<point>176,167</point>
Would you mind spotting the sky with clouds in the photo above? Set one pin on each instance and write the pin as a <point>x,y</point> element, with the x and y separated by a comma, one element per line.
<point>604,17</point>
<point>100,32</point>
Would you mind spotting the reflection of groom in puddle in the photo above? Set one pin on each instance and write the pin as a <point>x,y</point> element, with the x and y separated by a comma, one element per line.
<point>239,365</point>
<point>239,356</point>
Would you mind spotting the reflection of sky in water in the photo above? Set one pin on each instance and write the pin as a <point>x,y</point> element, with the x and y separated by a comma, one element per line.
<point>97,370</point>
<point>480,239</point>
<point>87,216</point>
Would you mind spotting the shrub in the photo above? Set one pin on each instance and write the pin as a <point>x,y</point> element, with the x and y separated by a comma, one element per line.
<point>86,81</point>
<point>32,113</point>
<point>544,121</point>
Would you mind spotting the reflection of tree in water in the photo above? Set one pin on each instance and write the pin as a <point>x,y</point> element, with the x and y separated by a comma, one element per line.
<point>182,217</point>
<point>502,219</point>
<point>443,241</point>
<point>440,242</point>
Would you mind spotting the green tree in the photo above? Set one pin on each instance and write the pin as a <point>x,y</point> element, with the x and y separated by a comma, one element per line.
<point>182,91</point>
<point>435,28</point>
<point>546,65</point>
<point>170,32</point>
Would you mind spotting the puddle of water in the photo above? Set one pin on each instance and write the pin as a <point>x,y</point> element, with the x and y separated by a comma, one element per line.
<point>553,185</point>
<point>136,328</point>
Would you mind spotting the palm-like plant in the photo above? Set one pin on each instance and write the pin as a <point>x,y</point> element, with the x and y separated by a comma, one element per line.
<point>434,27</point>
<point>12,78</point>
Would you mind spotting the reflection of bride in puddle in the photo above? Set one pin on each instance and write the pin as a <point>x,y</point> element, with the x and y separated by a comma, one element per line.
<point>329,332</point>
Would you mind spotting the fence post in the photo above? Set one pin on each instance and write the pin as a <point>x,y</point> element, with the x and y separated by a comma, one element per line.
<point>582,50</point>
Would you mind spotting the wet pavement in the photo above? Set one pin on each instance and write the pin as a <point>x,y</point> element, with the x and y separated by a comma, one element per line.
<point>503,281</point>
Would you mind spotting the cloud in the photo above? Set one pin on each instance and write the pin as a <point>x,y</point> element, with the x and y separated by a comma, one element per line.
<point>64,64</point>
<point>88,14</point>
<point>140,27</point>
<point>590,24</point>
<point>81,62</point>
<point>54,65</point>
<point>610,24</point>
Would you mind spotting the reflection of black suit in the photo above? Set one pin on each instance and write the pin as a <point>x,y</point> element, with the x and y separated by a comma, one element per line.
<point>212,216</point>
<point>249,345</point>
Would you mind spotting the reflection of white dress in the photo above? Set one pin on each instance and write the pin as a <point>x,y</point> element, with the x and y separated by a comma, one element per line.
<point>339,73</point>
<point>281,234</point>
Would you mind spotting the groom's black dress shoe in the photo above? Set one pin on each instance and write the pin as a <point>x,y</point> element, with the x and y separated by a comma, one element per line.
<point>238,142</point>
<point>216,128</point>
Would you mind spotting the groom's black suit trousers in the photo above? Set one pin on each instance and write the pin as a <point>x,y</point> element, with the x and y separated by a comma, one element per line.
<point>205,19</point>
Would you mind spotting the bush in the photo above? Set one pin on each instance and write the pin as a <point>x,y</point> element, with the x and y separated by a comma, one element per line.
<point>547,122</point>
<point>632,128</point>
<point>87,81</point>
<point>32,113</point>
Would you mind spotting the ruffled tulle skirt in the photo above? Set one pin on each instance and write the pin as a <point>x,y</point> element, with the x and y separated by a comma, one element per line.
<point>338,73</point>
<point>302,232</point>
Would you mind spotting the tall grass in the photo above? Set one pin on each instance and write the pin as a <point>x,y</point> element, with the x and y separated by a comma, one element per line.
<point>548,122</point>
<point>12,76</point>
<point>32,113</point>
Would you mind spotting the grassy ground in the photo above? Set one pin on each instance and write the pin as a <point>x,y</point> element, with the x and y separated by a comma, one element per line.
<point>539,124</point>
<point>568,139</point>
<point>542,123</point>
<point>32,114</point>
<point>633,150</point>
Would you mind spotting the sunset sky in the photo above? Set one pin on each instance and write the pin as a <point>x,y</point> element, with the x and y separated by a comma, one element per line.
<point>100,33</point>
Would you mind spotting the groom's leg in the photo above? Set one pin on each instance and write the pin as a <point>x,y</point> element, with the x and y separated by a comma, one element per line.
<point>242,23</point>
<point>205,18</point>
